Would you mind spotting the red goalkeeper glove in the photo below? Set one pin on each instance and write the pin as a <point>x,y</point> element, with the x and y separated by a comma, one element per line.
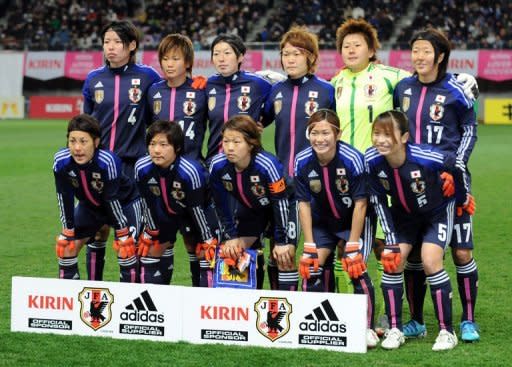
<point>124,244</point>
<point>147,239</point>
<point>469,206</point>
<point>390,258</point>
<point>208,247</point>
<point>448,184</point>
<point>199,82</point>
<point>309,258</point>
<point>352,260</point>
<point>66,239</point>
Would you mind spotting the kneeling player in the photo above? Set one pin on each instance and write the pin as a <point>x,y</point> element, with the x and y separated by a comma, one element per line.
<point>105,196</point>
<point>173,190</point>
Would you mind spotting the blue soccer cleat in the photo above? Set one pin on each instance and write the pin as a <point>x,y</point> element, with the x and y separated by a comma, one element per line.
<point>469,331</point>
<point>413,329</point>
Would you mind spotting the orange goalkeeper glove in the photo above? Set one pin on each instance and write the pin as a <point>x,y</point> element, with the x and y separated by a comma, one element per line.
<point>448,184</point>
<point>390,258</point>
<point>309,259</point>
<point>124,244</point>
<point>66,239</point>
<point>352,260</point>
<point>147,239</point>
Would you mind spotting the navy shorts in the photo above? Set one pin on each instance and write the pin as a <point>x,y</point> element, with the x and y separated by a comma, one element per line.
<point>462,236</point>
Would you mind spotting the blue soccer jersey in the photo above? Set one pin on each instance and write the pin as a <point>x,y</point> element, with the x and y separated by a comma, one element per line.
<point>186,106</point>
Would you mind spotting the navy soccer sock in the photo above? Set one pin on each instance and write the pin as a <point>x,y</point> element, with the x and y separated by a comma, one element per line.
<point>415,289</point>
<point>68,268</point>
<point>260,270</point>
<point>393,290</point>
<point>150,270</point>
<point>194,268</point>
<point>128,269</point>
<point>273,275</point>
<point>440,290</point>
<point>167,265</point>
<point>95,259</point>
<point>315,282</point>
<point>364,285</point>
<point>205,274</point>
<point>288,280</point>
<point>467,281</point>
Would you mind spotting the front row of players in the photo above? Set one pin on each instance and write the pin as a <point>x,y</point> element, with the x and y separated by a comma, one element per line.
<point>253,198</point>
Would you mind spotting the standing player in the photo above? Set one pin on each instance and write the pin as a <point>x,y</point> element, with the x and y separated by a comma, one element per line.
<point>176,99</point>
<point>290,104</point>
<point>251,180</point>
<point>440,115</point>
<point>105,196</point>
<point>115,95</point>
<point>331,191</point>
<point>173,189</point>
<point>420,214</point>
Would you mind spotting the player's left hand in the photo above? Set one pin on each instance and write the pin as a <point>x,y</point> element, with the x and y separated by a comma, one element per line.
<point>469,206</point>
<point>284,255</point>
<point>309,259</point>
<point>207,249</point>
<point>469,85</point>
<point>66,239</point>
<point>199,82</point>
<point>391,258</point>
<point>148,239</point>
<point>448,184</point>
<point>352,260</point>
<point>124,244</point>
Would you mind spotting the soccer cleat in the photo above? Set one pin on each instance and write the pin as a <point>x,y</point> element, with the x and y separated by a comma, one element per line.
<point>371,338</point>
<point>394,339</point>
<point>382,325</point>
<point>413,329</point>
<point>445,341</point>
<point>469,331</point>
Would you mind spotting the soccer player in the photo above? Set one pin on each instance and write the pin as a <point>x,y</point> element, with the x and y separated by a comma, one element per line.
<point>115,95</point>
<point>290,104</point>
<point>106,196</point>
<point>173,189</point>
<point>250,179</point>
<point>420,214</point>
<point>331,189</point>
<point>441,115</point>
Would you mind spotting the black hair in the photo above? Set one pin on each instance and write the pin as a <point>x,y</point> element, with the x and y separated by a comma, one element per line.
<point>127,32</point>
<point>440,44</point>
<point>85,123</point>
<point>234,41</point>
<point>172,131</point>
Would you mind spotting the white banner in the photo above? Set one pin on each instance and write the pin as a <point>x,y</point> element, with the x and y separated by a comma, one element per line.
<point>11,74</point>
<point>45,65</point>
<point>198,315</point>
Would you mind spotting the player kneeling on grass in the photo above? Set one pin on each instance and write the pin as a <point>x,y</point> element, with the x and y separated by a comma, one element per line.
<point>331,190</point>
<point>174,196</point>
<point>251,195</point>
<point>105,196</point>
<point>421,213</point>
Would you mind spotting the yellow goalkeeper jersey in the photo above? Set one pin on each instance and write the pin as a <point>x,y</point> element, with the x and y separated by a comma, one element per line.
<point>362,96</point>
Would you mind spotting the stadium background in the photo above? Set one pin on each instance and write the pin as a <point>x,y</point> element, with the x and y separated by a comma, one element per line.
<point>28,213</point>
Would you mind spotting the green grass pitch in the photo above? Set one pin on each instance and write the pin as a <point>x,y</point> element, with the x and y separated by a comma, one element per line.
<point>29,223</point>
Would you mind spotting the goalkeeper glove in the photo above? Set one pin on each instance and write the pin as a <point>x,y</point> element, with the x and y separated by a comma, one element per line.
<point>124,244</point>
<point>352,260</point>
<point>469,86</point>
<point>271,76</point>
<point>147,239</point>
<point>199,82</point>
<point>390,258</point>
<point>208,248</point>
<point>469,206</point>
<point>65,239</point>
<point>448,184</point>
<point>309,258</point>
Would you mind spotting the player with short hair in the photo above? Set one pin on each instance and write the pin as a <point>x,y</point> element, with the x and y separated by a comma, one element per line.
<point>420,214</point>
<point>106,196</point>
<point>441,115</point>
<point>250,192</point>
<point>115,94</point>
<point>174,196</point>
<point>331,190</point>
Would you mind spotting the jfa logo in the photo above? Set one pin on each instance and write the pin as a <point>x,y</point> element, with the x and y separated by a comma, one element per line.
<point>96,307</point>
<point>273,317</point>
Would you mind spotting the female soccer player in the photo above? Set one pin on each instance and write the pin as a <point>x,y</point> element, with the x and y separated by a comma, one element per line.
<point>251,180</point>
<point>173,190</point>
<point>420,214</point>
<point>440,115</point>
<point>105,196</point>
<point>115,95</point>
<point>331,191</point>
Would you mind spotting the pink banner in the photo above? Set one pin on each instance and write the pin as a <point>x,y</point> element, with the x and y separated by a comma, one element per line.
<point>401,60</point>
<point>150,58</point>
<point>495,65</point>
<point>79,64</point>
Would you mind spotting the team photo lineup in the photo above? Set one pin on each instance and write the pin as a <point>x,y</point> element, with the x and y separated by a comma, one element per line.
<point>373,162</point>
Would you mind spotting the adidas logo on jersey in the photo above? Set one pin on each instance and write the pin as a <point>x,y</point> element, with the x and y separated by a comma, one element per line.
<point>152,181</point>
<point>157,95</point>
<point>142,309</point>
<point>72,173</point>
<point>323,318</point>
<point>212,91</point>
<point>279,95</point>
<point>408,92</point>
<point>226,177</point>
<point>313,174</point>
<point>382,174</point>
<point>99,85</point>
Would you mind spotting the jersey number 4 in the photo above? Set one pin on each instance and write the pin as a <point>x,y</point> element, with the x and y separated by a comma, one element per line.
<point>190,130</point>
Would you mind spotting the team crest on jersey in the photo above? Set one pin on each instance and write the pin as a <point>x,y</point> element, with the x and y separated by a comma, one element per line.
<point>436,111</point>
<point>211,103</point>
<point>315,186</point>
<point>228,185</point>
<point>418,186</point>
<point>339,90</point>
<point>99,95</point>
<point>74,182</point>
<point>258,190</point>
<point>342,184</point>
<point>155,190</point>
<point>135,94</point>
<point>189,107</point>
<point>406,103</point>
<point>96,182</point>
<point>278,105</point>
<point>370,90</point>
<point>157,106</point>
<point>178,194</point>
<point>311,107</point>
<point>96,307</point>
<point>384,183</point>
<point>243,102</point>
<point>273,320</point>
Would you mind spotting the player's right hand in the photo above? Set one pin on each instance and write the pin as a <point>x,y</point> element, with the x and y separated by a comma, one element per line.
<point>147,239</point>
<point>390,258</point>
<point>223,254</point>
<point>469,206</point>
<point>208,248</point>
<point>448,184</point>
<point>199,82</point>
<point>309,259</point>
<point>124,244</point>
<point>352,260</point>
<point>66,239</point>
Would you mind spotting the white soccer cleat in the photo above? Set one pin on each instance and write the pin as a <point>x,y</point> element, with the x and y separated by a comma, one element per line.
<point>371,338</point>
<point>445,341</point>
<point>394,338</point>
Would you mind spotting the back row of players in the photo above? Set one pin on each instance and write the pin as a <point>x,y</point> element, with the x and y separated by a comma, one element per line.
<point>253,190</point>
